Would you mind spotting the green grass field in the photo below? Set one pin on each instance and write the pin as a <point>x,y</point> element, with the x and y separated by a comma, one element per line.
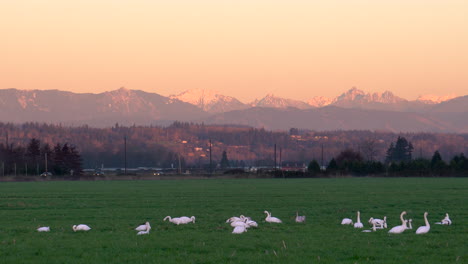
<point>114,208</point>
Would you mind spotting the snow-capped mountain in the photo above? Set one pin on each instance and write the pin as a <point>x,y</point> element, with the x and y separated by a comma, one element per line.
<point>319,101</point>
<point>272,101</point>
<point>434,99</point>
<point>209,100</point>
<point>355,96</point>
<point>120,106</point>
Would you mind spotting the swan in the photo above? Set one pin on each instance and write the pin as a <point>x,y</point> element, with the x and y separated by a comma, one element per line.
<point>145,227</point>
<point>424,229</point>
<point>445,221</point>
<point>300,218</point>
<point>271,219</point>
<point>81,228</point>
<point>43,229</point>
<point>377,222</point>
<point>358,224</point>
<point>385,221</point>
<point>401,228</point>
<point>410,225</point>
<point>347,221</point>
<point>239,230</point>
<point>143,232</point>
<point>175,220</point>
<point>186,219</point>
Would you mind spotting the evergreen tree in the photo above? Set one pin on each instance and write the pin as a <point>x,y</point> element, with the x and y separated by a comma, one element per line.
<point>33,154</point>
<point>224,163</point>
<point>401,151</point>
<point>332,165</point>
<point>314,167</point>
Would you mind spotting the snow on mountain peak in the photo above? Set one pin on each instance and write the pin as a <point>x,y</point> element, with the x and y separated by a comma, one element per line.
<point>434,99</point>
<point>209,100</point>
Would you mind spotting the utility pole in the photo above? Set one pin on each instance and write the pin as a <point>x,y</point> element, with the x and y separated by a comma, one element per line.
<point>46,162</point>
<point>322,159</point>
<point>211,170</point>
<point>275,156</point>
<point>280,158</point>
<point>125,154</point>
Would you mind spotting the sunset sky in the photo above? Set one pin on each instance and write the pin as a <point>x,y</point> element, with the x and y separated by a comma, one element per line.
<point>244,48</point>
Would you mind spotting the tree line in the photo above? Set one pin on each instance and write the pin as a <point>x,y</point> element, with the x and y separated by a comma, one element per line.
<point>399,162</point>
<point>36,158</point>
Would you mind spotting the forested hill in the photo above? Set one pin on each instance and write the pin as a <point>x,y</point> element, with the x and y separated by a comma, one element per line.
<point>150,146</point>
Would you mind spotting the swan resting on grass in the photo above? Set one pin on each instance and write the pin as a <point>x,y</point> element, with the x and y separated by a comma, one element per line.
<point>401,228</point>
<point>445,221</point>
<point>81,228</point>
<point>271,219</point>
<point>145,227</point>
<point>300,218</point>
<point>358,224</point>
<point>424,229</point>
<point>43,229</point>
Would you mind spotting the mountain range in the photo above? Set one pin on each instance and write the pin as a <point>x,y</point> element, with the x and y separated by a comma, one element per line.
<point>354,109</point>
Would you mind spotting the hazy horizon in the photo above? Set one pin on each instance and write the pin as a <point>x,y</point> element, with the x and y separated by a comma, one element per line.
<point>246,49</point>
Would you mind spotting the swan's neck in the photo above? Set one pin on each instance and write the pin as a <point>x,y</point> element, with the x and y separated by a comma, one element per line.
<point>358,217</point>
<point>402,220</point>
<point>425,220</point>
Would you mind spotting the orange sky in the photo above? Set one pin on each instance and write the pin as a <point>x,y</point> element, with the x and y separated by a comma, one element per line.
<point>244,48</point>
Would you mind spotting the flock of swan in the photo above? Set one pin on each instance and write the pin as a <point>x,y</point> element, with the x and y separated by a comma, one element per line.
<point>382,224</point>
<point>240,224</point>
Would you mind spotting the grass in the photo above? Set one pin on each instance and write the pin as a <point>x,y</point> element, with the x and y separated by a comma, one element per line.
<point>114,208</point>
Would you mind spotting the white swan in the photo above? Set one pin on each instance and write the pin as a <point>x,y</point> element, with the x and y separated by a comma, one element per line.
<point>186,219</point>
<point>424,229</point>
<point>347,221</point>
<point>271,219</point>
<point>401,228</point>
<point>379,223</point>
<point>374,228</point>
<point>358,224</point>
<point>145,227</point>
<point>239,230</point>
<point>43,229</point>
<point>300,218</point>
<point>445,221</point>
<point>175,220</point>
<point>81,228</point>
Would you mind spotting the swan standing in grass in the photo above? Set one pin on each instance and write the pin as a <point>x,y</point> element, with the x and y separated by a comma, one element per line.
<point>424,229</point>
<point>445,221</point>
<point>145,227</point>
<point>401,228</point>
<point>43,229</point>
<point>271,219</point>
<point>81,228</point>
<point>300,218</point>
<point>358,224</point>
